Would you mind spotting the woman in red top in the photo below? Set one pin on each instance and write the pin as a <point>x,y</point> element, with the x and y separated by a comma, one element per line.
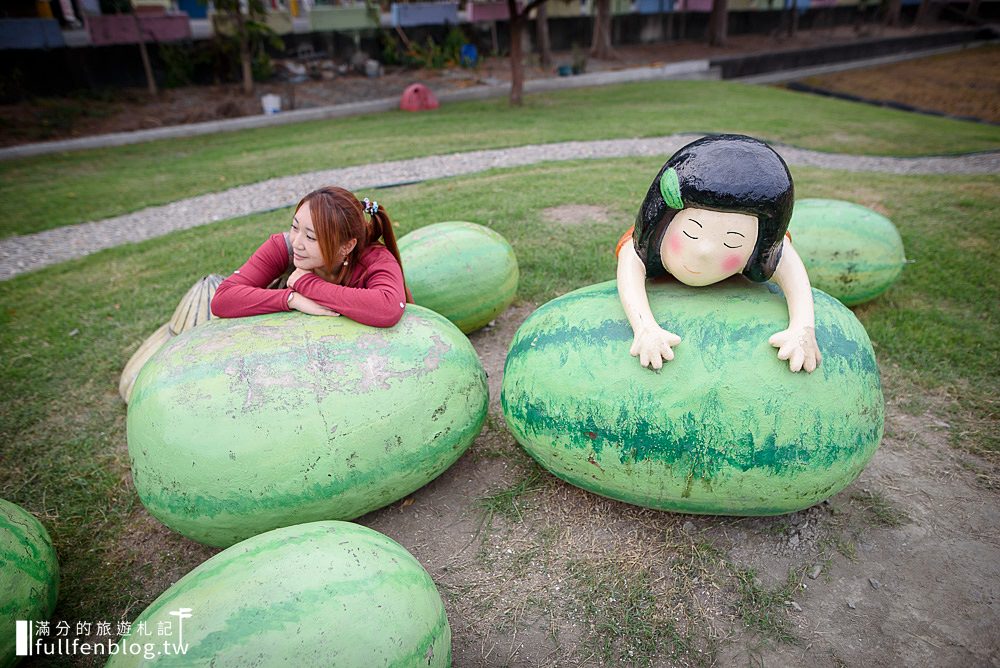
<point>334,262</point>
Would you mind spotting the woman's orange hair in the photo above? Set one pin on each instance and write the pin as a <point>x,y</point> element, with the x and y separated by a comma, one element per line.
<point>338,217</point>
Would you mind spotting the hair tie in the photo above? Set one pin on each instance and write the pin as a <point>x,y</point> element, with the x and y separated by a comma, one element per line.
<point>371,208</point>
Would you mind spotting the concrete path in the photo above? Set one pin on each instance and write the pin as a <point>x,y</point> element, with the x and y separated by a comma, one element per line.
<point>21,254</point>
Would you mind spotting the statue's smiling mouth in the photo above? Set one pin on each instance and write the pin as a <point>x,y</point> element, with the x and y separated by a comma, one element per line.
<point>690,269</point>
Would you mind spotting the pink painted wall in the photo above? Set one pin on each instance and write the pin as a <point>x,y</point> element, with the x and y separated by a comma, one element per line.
<point>121,28</point>
<point>694,5</point>
<point>488,11</point>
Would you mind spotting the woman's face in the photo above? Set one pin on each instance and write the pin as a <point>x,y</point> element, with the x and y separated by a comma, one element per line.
<point>701,247</point>
<point>306,253</point>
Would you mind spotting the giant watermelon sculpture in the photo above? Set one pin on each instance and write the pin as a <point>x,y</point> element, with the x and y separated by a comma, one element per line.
<point>850,251</point>
<point>244,425</point>
<point>466,272</point>
<point>313,595</point>
<point>29,575</point>
<point>724,428</point>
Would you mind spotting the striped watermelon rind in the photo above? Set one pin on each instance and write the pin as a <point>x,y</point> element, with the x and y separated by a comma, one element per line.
<point>849,251</point>
<point>724,428</point>
<point>318,594</point>
<point>29,574</point>
<point>239,426</point>
<point>464,271</point>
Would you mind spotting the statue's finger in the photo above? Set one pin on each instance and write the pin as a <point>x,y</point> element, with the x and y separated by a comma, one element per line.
<point>798,357</point>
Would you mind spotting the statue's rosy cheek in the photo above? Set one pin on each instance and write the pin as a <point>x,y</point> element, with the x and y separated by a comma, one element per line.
<point>674,243</point>
<point>732,263</point>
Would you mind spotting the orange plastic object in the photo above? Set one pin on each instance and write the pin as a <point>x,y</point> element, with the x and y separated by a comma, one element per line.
<point>418,97</point>
<point>625,238</point>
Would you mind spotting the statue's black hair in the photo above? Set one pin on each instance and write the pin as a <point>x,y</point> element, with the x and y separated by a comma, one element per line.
<point>730,173</point>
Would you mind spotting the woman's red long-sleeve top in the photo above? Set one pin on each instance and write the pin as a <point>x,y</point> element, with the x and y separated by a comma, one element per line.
<point>374,294</point>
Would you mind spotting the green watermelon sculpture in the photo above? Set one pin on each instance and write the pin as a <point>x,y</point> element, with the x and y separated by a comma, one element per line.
<point>724,428</point>
<point>466,272</point>
<point>29,575</point>
<point>243,425</point>
<point>311,596</point>
<point>850,251</point>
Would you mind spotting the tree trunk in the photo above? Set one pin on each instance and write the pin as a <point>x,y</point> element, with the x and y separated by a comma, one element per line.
<point>718,23</point>
<point>601,46</point>
<point>146,67</point>
<point>542,35</point>
<point>516,66</point>
<point>923,13</point>
<point>892,12</point>
<point>245,62</point>
<point>789,19</point>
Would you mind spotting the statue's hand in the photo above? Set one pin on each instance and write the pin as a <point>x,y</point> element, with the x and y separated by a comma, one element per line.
<point>798,346</point>
<point>652,346</point>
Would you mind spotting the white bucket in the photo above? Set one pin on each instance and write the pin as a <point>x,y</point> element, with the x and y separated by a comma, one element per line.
<point>270,103</point>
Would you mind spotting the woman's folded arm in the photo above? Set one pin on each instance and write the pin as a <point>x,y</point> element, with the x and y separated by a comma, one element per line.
<point>380,303</point>
<point>245,293</point>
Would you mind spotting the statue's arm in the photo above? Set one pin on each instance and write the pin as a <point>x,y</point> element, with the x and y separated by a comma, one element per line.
<point>651,343</point>
<point>797,343</point>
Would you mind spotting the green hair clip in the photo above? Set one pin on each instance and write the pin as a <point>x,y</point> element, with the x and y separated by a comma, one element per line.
<point>670,188</point>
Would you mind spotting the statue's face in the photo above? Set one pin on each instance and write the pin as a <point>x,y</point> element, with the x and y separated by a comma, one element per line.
<point>702,247</point>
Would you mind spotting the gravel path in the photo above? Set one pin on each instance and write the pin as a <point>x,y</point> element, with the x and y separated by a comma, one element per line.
<point>20,254</point>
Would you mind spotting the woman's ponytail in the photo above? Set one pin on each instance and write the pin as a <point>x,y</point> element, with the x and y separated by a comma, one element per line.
<point>381,227</point>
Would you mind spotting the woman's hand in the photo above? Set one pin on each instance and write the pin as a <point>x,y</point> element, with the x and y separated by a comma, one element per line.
<point>305,305</point>
<point>798,346</point>
<point>652,346</point>
<point>296,275</point>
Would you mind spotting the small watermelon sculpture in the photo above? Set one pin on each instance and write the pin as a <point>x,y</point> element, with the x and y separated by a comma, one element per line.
<point>311,596</point>
<point>724,428</point>
<point>466,272</point>
<point>243,425</point>
<point>850,251</point>
<point>29,575</point>
<point>193,310</point>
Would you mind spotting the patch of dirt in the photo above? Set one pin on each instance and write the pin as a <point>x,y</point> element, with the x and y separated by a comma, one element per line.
<point>913,578</point>
<point>107,111</point>
<point>576,214</point>
<point>964,83</point>
<point>161,555</point>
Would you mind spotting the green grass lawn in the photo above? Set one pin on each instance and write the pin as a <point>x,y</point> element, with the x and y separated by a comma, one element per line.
<point>55,190</point>
<point>66,331</point>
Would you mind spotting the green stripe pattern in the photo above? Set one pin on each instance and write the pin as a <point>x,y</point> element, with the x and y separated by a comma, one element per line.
<point>850,251</point>
<point>466,272</point>
<point>243,425</point>
<point>319,594</point>
<point>724,428</point>
<point>29,574</point>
